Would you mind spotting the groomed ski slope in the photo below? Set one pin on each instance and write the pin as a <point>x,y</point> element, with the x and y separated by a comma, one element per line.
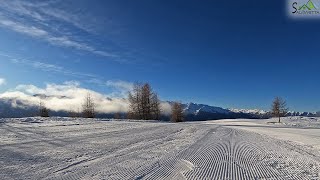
<point>63,148</point>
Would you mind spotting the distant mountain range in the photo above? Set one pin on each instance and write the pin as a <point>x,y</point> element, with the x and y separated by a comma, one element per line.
<point>192,111</point>
<point>195,111</point>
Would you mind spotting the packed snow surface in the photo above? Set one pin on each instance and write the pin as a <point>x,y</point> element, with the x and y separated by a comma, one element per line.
<point>64,148</point>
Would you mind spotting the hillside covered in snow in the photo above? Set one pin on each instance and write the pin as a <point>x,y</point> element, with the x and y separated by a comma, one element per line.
<point>77,148</point>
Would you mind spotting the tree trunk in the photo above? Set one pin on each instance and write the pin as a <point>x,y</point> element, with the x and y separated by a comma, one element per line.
<point>279,119</point>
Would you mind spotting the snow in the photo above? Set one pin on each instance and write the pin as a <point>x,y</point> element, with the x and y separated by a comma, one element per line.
<point>67,148</point>
<point>249,111</point>
<point>301,130</point>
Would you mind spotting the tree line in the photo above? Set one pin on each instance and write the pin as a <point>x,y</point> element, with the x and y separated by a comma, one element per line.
<point>144,104</point>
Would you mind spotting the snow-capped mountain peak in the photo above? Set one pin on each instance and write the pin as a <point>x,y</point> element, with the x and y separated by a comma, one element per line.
<point>249,111</point>
<point>193,108</point>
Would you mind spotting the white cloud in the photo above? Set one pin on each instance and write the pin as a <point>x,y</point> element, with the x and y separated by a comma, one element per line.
<point>67,17</point>
<point>46,66</point>
<point>65,97</point>
<point>120,88</point>
<point>31,31</point>
<point>120,84</point>
<point>42,34</point>
<point>65,25</point>
<point>44,12</point>
<point>165,108</point>
<point>2,81</point>
<point>70,96</point>
<point>23,8</point>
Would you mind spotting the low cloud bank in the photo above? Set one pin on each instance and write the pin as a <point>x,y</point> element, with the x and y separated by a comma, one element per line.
<point>69,96</point>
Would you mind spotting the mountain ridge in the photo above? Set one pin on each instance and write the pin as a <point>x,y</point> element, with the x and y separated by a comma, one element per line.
<point>196,109</point>
<point>193,111</point>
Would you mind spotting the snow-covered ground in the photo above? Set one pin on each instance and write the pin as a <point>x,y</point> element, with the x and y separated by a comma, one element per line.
<point>301,130</point>
<point>64,148</point>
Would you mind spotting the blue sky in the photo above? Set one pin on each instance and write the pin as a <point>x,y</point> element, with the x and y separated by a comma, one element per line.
<point>238,55</point>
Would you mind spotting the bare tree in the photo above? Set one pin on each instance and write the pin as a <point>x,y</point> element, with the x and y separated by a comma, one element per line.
<point>143,103</point>
<point>146,101</point>
<point>134,97</point>
<point>177,112</point>
<point>88,107</point>
<point>279,108</point>
<point>43,111</point>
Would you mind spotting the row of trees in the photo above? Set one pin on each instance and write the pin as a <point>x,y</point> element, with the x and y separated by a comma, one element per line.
<point>144,103</point>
